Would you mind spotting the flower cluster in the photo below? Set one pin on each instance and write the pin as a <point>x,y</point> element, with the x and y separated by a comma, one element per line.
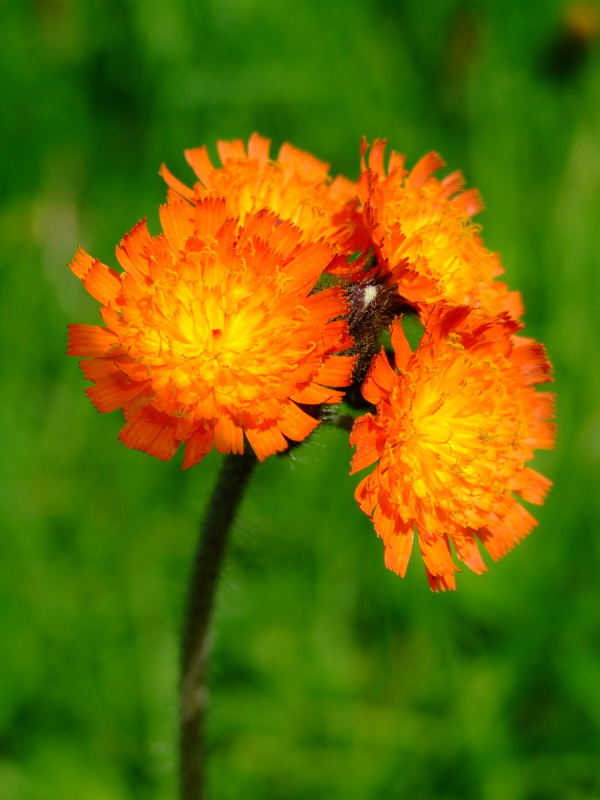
<point>266,299</point>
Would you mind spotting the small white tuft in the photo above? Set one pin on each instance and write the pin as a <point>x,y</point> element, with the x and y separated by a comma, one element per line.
<point>370,293</point>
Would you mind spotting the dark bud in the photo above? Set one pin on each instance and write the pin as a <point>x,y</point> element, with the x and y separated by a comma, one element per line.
<point>373,306</point>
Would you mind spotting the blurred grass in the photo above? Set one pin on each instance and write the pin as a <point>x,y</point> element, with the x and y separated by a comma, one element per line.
<point>332,677</point>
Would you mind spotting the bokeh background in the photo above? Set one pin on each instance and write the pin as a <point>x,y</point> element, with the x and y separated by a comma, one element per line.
<point>331,677</point>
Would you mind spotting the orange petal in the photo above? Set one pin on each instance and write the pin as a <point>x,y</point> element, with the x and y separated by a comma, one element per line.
<point>313,394</point>
<point>452,184</point>
<point>396,162</point>
<point>175,183</point>
<point>200,162</point>
<point>365,433</point>
<point>282,236</point>
<point>229,437</point>
<point>176,221</point>
<point>386,520</point>
<point>81,263</point>
<point>210,217</point>
<point>531,357</point>
<point>440,582</point>
<point>397,551</point>
<point>376,157</point>
<point>532,486</point>
<point>379,379</point>
<point>365,495</point>
<point>231,150</point>
<point>424,169</point>
<point>102,282</point>
<point>258,147</point>
<point>266,440</point>
<point>400,344</point>
<point>114,393</point>
<point>468,552</point>
<point>92,340</point>
<point>99,369</point>
<point>514,525</point>
<point>131,253</point>
<point>336,371</point>
<point>197,446</point>
<point>308,265</point>
<point>151,431</point>
<point>326,305</point>
<point>303,162</point>
<point>469,202</point>
<point>436,555</point>
<point>295,423</point>
<point>336,336</point>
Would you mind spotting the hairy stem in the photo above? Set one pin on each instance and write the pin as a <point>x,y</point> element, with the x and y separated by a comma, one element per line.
<point>224,503</point>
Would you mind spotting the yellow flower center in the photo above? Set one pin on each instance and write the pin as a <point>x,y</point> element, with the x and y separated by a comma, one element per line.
<point>203,328</point>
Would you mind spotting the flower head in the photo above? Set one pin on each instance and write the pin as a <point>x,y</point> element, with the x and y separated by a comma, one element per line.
<point>212,332</point>
<point>455,423</point>
<point>296,187</point>
<point>423,236</point>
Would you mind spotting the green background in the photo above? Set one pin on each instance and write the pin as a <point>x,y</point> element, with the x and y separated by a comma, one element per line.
<point>331,677</point>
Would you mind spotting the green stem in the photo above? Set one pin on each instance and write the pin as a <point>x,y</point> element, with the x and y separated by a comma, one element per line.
<point>224,503</point>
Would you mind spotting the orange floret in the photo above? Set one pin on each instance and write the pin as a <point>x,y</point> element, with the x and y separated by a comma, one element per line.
<point>213,332</point>
<point>423,236</point>
<point>296,187</point>
<point>456,422</point>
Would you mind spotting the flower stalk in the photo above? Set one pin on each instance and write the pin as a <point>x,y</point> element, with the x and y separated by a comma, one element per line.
<point>224,503</point>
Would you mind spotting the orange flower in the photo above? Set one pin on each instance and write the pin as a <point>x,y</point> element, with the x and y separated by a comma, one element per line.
<point>297,187</point>
<point>423,236</point>
<point>212,332</point>
<point>455,424</point>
